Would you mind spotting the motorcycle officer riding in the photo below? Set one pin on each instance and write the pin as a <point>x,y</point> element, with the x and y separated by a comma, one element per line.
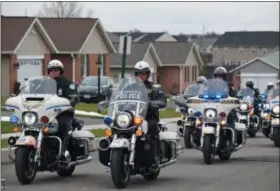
<point>142,71</point>
<point>64,88</point>
<point>221,73</point>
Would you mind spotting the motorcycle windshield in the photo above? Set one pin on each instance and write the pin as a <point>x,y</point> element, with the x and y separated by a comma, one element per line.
<point>131,95</point>
<point>276,93</point>
<point>192,90</point>
<point>214,89</point>
<point>247,93</point>
<point>39,85</point>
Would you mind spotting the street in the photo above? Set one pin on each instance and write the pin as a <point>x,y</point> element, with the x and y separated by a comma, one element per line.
<point>253,168</point>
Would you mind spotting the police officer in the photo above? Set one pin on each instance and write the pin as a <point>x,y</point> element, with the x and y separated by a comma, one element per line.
<point>221,73</point>
<point>142,71</point>
<point>270,87</point>
<point>66,89</point>
<point>201,80</point>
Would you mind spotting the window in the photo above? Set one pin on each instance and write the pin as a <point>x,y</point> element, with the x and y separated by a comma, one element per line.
<point>194,73</point>
<point>254,50</point>
<point>215,50</point>
<point>264,50</point>
<point>225,50</point>
<point>84,66</point>
<point>227,62</point>
<point>241,50</point>
<point>187,74</point>
<point>232,62</point>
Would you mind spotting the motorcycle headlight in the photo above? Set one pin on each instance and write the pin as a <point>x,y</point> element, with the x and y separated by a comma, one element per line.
<point>191,111</point>
<point>29,118</point>
<point>265,106</point>
<point>275,109</point>
<point>210,113</point>
<point>244,107</point>
<point>123,120</point>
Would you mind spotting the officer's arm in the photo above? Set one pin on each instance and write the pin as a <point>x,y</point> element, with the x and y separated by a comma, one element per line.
<point>160,99</point>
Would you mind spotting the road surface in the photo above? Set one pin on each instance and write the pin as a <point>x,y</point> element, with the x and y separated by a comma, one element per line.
<point>253,168</point>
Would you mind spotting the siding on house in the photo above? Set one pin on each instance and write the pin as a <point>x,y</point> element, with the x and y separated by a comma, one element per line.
<point>258,67</point>
<point>33,44</point>
<point>169,77</point>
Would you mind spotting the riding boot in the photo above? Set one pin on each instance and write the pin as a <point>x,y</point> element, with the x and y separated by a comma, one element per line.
<point>65,153</point>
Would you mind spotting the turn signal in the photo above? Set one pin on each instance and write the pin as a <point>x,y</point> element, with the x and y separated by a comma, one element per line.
<point>267,118</point>
<point>16,129</point>
<point>138,121</point>
<point>46,130</point>
<point>223,123</point>
<point>252,112</point>
<point>108,133</point>
<point>139,132</point>
<point>44,119</point>
<point>197,122</point>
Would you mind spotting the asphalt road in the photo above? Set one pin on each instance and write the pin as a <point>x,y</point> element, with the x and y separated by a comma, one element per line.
<point>253,168</point>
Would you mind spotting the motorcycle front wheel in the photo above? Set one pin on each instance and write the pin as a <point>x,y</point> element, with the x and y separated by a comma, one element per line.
<point>208,149</point>
<point>187,137</point>
<point>120,169</point>
<point>25,167</point>
<point>276,136</point>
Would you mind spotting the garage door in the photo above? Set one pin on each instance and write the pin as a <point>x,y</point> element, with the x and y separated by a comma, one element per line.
<point>29,68</point>
<point>260,80</point>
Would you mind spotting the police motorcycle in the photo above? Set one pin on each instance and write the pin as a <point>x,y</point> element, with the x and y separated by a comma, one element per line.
<point>186,125</point>
<point>38,147</point>
<point>246,113</point>
<point>127,148</point>
<point>271,114</point>
<point>212,105</point>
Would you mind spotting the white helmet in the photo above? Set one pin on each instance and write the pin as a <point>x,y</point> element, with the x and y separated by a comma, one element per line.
<point>56,64</point>
<point>142,67</point>
<point>270,84</point>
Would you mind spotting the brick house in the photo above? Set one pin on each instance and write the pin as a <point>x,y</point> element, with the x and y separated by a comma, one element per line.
<point>29,43</point>
<point>181,64</point>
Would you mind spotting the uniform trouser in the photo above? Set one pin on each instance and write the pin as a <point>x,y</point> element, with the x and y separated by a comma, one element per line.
<point>154,132</point>
<point>65,124</point>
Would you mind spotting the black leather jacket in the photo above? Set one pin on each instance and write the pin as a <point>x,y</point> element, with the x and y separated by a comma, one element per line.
<point>153,112</point>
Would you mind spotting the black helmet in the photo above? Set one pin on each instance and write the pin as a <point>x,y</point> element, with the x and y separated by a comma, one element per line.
<point>250,84</point>
<point>221,71</point>
<point>257,92</point>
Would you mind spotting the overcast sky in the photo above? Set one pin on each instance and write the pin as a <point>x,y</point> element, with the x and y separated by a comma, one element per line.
<point>174,17</point>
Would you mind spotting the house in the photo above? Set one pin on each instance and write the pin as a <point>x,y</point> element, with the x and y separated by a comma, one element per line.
<point>139,51</point>
<point>29,43</point>
<point>155,37</point>
<point>203,42</point>
<point>238,47</point>
<point>259,70</point>
<point>181,63</point>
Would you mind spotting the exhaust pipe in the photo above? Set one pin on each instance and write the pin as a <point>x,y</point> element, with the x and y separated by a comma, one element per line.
<point>79,162</point>
<point>265,124</point>
<point>168,163</point>
<point>104,144</point>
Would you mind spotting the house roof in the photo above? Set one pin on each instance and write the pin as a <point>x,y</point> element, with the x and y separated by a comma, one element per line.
<point>138,51</point>
<point>151,36</point>
<point>69,34</point>
<point>173,53</point>
<point>204,42</point>
<point>113,37</point>
<point>120,33</point>
<point>248,38</point>
<point>12,31</point>
<point>271,59</point>
<point>135,35</point>
<point>181,38</point>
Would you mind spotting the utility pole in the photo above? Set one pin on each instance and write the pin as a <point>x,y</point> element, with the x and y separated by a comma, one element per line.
<point>124,49</point>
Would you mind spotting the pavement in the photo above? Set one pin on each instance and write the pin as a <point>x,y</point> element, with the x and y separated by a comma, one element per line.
<point>253,168</point>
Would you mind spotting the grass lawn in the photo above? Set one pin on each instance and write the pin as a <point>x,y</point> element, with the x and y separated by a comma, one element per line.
<point>96,132</point>
<point>6,127</point>
<point>169,113</point>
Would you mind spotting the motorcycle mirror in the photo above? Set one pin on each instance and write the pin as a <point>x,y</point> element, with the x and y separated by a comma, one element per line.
<point>156,87</point>
<point>102,106</point>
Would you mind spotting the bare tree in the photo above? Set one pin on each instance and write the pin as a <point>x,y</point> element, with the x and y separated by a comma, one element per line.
<point>64,9</point>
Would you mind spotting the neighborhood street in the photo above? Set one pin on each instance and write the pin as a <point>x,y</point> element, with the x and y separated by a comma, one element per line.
<point>253,168</point>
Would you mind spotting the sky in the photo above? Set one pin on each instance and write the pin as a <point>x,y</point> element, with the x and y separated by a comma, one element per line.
<point>174,17</point>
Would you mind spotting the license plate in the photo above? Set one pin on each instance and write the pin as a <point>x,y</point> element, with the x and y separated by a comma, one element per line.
<point>86,96</point>
<point>188,123</point>
<point>117,143</point>
<point>242,117</point>
<point>275,122</point>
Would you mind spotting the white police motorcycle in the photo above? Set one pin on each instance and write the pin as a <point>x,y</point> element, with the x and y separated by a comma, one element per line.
<point>212,106</point>
<point>38,147</point>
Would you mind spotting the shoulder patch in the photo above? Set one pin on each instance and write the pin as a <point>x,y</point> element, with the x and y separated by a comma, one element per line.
<point>72,86</point>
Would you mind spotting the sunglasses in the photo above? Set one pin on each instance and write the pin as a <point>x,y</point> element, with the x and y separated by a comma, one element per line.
<point>53,70</point>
